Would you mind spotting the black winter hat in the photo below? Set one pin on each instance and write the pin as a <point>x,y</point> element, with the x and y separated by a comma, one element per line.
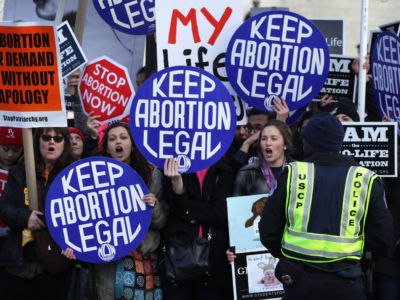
<point>324,133</point>
<point>347,108</point>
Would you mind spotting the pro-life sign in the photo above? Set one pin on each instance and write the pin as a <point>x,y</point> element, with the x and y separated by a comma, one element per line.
<point>31,93</point>
<point>94,207</point>
<point>72,56</point>
<point>341,81</point>
<point>186,113</point>
<point>274,54</point>
<point>373,145</point>
<point>386,75</point>
<point>129,16</point>
<point>106,89</point>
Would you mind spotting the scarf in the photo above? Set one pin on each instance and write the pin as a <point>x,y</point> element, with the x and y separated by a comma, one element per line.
<point>267,172</point>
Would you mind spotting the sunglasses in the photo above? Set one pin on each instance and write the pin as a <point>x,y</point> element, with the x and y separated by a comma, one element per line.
<point>57,138</point>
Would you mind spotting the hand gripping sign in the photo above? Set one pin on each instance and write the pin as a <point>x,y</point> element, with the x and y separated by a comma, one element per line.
<point>274,54</point>
<point>386,75</point>
<point>186,113</point>
<point>106,89</point>
<point>94,207</point>
<point>129,16</point>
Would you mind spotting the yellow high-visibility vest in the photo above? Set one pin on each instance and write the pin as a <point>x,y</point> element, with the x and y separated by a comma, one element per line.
<point>298,243</point>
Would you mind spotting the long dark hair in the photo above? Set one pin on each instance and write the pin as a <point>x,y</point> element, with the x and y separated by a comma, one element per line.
<point>66,157</point>
<point>138,162</point>
<point>286,133</point>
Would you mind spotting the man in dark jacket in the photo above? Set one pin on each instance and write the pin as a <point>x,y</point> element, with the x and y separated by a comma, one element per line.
<point>322,214</point>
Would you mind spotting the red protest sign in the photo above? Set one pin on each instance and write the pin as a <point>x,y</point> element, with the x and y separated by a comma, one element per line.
<point>106,89</point>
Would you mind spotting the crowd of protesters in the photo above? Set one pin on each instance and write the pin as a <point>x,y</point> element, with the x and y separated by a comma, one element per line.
<point>262,154</point>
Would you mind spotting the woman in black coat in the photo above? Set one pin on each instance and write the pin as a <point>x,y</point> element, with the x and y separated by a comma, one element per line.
<point>197,201</point>
<point>30,273</point>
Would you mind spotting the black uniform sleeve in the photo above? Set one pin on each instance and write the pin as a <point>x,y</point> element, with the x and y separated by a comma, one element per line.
<point>272,223</point>
<point>379,226</point>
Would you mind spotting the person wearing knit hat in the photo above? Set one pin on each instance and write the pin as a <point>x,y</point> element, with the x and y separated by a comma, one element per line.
<point>323,133</point>
<point>77,139</point>
<point>346,111</point>
<point>316,220</point>
<point>10,146</point>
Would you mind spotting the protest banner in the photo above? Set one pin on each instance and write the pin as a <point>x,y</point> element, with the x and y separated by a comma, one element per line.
<point>31,92</point>
<point>253,269</point>
<point>186,113</point>
<point>106,89</point>
<point>196,33</point>
<point>72,56</point>
<point>341,81</point>
<point>386,76</point>
<point>392,27</point>
<point>373,145</point>
<point>333,31</point>
<point>277,54</point>
<point>94,207</point>
<point>253,277</point>
<point>98,37</point>
<point>129,16</point>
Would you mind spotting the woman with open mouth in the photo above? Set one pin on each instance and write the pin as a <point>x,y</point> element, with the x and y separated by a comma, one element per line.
<point>118,143</point>
<point>260,176</point>
<point>33,258</point>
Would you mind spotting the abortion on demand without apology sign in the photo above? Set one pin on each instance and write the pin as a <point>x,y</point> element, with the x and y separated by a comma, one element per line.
<point>31,93</point>
<point>386,75</point>
<point>186,113</point>
<point>94,207</point>
<point>277,53</point>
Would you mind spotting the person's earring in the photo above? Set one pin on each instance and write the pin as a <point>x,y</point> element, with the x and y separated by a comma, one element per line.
<point>284,148</point>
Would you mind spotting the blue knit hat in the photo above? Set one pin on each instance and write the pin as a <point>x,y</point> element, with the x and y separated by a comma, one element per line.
<point>324,133</point>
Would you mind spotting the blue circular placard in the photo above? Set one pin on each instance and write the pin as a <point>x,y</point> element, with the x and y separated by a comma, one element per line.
<point>274,54</point>
<point>186,113</point>
<point>94,207</point>
<point>132,17</point>
<point>294,115</point>
<point>386,76</point>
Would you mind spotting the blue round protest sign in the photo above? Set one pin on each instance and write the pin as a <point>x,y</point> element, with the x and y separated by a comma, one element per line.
<point>386,76</point>
<point>294,115</point>
<point>277,54</point>
<point>94,207</point>
<point>131,17</point>
<point>186,113</point>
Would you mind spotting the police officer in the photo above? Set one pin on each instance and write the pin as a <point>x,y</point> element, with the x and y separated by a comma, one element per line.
<point>323,214</point>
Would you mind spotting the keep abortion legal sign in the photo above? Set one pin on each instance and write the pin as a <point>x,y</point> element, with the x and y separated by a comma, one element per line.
<point>129,16</point>
<point>274,54</point>
<point>94,207</point>
<point>386,75</point>
<point>186,113</point>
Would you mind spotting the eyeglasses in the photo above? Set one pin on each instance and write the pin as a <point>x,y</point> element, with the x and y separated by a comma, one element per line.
<point>57,138</point>
<point>256,128</point>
